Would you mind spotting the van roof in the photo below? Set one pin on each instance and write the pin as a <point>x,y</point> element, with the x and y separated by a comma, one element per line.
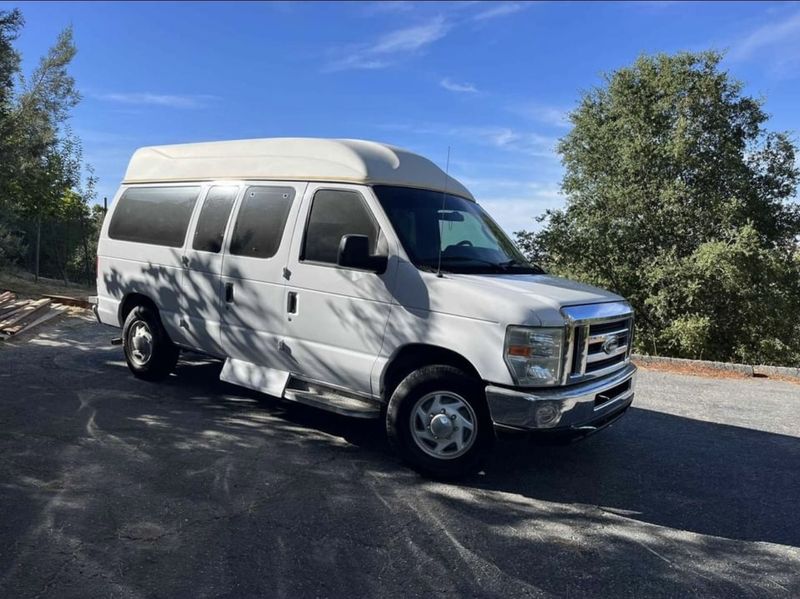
<point>290,159</point>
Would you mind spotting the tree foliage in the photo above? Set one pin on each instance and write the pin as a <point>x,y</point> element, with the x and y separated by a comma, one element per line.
<point>680,199</point>
<point>42,188</point>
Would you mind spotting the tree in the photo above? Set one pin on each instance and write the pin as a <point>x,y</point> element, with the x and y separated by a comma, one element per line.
<point>680,199</point>
<point>10,24</point>
<point>46,152</point>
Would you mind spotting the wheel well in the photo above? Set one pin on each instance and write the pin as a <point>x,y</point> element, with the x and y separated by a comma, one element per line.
<point>412,357</point>
<point>131,301</point>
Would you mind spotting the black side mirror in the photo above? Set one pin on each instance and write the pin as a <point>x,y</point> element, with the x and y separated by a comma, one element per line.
<point>354,253</point>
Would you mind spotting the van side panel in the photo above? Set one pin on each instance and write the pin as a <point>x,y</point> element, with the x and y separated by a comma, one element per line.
<point>126,267</point>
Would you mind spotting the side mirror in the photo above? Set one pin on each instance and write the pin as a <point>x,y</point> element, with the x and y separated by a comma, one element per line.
<point>354,253</point>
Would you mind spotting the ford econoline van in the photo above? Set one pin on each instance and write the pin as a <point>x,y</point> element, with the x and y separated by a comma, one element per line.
<point>359,278</point>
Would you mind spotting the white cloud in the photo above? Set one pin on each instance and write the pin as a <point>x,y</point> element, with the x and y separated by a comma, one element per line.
<point>532,144</point>
<point>151,99</point>
<point>498,9</point>
<point>378,8</point>
<point>392,46</point>
<point>454,86</point>
<point>506,138</point>
<point>541,113</point>
<point>779,39</point>
<point>515,213</point>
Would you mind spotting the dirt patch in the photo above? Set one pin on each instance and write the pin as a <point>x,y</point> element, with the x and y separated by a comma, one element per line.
<point>24,286</point>
<point>709,372</point>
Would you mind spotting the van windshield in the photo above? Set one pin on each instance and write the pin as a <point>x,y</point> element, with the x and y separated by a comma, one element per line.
<point>428,222</point>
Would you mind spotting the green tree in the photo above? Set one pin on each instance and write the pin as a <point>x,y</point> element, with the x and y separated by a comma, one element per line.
<point>46,153</point>
<point>680,199</point>
<point>10,24</point>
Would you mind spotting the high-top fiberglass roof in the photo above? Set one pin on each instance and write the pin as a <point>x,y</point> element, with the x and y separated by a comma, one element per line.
<point>290,159</point>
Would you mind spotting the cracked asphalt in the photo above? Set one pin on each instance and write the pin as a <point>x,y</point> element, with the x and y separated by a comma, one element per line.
<point>113,487</point>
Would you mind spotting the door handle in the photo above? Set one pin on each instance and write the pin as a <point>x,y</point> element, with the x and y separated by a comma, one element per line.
<point>185,260</point>
<point>229,292</point>
<point>291,302</point>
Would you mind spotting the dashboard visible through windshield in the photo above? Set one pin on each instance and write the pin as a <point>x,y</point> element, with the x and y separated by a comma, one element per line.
<point>429,223</point>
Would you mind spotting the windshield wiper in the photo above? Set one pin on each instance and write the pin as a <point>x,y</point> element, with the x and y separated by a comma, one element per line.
<point>504,266</point>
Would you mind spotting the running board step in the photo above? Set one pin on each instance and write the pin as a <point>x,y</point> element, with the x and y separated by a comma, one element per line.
<point>332,400</point>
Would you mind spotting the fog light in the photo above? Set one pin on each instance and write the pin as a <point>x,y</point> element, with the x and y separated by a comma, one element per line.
<point>547,415</point>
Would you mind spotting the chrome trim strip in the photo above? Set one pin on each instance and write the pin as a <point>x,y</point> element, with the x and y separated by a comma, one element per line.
<point>608,369</point>
<point>584,350</point>
<point>597,313</point>
<point>600,356</point>
<point>603,336</point>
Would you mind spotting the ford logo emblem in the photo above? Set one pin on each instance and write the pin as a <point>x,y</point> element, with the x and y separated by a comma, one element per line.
<point>611,344</point>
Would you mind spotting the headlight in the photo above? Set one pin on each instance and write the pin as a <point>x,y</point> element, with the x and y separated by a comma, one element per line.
<point>534,355</point>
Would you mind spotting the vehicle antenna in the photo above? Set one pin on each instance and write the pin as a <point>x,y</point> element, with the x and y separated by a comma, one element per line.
<point>444,199</point>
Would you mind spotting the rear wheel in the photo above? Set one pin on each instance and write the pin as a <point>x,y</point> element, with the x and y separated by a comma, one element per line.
<point>149,352</point>
<point>438,421</point>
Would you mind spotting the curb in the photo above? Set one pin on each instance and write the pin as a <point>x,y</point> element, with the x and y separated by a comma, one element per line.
<point>746,369</point>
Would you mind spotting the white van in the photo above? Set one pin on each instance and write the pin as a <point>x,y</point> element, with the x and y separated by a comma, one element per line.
<point>359,278</point>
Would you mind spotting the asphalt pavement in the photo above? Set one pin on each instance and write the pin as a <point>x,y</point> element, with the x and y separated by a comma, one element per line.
<point>114,487</point>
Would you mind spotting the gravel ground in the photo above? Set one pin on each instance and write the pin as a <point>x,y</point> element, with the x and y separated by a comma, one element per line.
<point>114,487</point>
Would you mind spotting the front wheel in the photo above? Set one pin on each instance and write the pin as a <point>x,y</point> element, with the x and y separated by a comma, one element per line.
<point>149,351</point>
<point>439,422</point>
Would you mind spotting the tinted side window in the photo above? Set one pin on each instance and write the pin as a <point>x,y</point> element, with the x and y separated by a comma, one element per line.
<point>334,214</point>
<point>156,215</point>
<point>213,218</point>
<point>261,220</point>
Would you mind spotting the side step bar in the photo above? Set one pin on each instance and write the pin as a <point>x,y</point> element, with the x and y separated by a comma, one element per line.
<point>332,400</point>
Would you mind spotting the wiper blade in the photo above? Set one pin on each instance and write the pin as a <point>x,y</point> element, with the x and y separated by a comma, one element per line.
<point>528,266</point>
<point>468,259</point>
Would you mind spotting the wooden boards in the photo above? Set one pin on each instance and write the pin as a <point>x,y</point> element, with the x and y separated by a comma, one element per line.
<point>19,315</point>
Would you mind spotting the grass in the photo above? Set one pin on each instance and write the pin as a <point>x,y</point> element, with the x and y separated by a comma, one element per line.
<point>22,283</point>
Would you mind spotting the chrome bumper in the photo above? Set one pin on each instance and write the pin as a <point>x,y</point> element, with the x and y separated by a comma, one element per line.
<point>583,407</point>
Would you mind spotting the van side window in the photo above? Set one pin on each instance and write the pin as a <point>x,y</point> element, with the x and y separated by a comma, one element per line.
<point>155,215</point>
<point>334,214</point>
<point>261,220</point>
<point>213,218</point>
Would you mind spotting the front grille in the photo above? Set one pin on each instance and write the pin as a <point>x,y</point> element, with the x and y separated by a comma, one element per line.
<point>600,338</point>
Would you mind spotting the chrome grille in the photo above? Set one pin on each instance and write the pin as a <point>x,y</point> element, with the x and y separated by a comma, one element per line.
<point>599,339</point>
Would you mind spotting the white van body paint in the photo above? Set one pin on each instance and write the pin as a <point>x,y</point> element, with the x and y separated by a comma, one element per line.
<point>347,325</point>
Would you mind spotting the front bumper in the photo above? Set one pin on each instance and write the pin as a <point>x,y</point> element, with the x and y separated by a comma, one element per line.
<point>585,407</point>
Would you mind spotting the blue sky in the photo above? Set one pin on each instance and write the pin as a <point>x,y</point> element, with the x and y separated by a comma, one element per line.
<point>492,80</point>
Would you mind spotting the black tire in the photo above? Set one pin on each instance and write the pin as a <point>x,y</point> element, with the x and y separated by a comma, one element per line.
<point>422,383</point>
<point>163,354</point>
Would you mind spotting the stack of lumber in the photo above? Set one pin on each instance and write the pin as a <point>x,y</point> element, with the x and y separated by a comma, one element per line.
<point>20,315</point>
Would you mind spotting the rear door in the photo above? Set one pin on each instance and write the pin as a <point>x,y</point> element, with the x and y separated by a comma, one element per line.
<point>200,296</point>
<point>252,281</point>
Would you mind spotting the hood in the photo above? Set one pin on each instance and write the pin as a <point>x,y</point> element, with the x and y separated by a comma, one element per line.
<point>526,299</point>
<point>503,298</point>
<point>555,291</point>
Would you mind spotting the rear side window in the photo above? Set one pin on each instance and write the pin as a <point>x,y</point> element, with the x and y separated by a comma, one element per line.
<point>155,215</point>
<point>334,214</point>
<point>213,218</point>
<point>261,220</point>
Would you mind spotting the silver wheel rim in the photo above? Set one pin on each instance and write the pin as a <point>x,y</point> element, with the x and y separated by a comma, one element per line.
<point>141,342</point>
<point>443,425</point>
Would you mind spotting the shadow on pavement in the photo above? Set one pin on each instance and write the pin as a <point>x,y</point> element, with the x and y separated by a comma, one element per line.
<point>686,474</point>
